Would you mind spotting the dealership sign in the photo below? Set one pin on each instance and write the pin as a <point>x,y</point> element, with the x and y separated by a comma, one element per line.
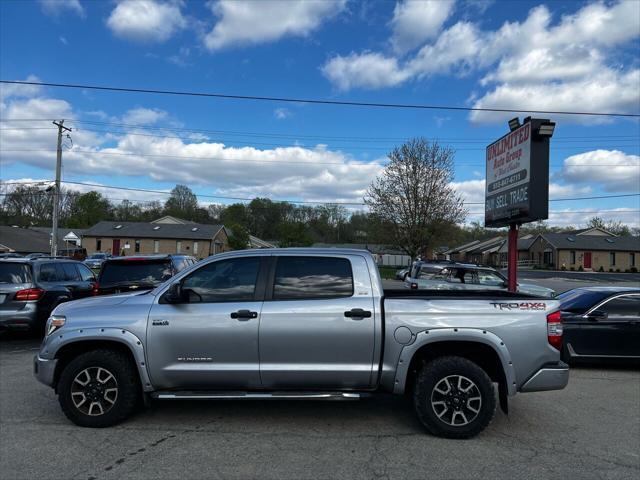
<point>517,181</point>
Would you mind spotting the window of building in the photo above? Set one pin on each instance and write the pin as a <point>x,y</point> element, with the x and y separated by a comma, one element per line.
<point>612,258</point>
<point>195,248</point>
<point>572,256</point>
<point>300,278</point>
<point>137,246</point>
<point>156,246</point>
<point>98,244</point>
<point>225,281</point>
<point>178,246</point>
<point>632,259</point>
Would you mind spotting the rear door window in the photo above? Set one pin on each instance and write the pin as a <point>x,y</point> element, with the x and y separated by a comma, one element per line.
<point>489,278</point>
<point>622,308</point>
<point>14,273</point>
<point>50,273</point>
<point>69,272</point>
<point>300,278</point>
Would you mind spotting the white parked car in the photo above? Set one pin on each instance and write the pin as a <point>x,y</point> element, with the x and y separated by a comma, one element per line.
<point>462,276</point>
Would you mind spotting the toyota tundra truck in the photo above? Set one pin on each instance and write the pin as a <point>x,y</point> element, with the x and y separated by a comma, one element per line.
<point>301,324</point>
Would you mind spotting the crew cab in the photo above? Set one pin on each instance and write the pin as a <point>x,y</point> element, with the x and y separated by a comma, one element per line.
<point>301,323</point>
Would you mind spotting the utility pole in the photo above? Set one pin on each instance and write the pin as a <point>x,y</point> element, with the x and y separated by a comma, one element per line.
<point>56,191</point>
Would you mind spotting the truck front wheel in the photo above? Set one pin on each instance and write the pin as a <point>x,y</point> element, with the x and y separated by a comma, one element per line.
<point>454,397</point>
<point>98,389</point>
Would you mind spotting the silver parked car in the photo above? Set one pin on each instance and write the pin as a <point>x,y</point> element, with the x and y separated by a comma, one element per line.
<point>462,276</point>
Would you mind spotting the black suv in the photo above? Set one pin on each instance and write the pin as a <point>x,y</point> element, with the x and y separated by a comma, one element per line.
<point>31,288</point>
<point>142,272</point>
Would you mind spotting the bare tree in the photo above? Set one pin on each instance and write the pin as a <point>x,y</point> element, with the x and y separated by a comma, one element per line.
<point>414,196</point>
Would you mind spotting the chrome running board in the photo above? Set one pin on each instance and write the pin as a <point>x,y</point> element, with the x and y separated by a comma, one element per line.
<point>195,395</point>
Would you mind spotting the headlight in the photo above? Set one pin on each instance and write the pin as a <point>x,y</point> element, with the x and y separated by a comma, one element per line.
<point>55,322</point>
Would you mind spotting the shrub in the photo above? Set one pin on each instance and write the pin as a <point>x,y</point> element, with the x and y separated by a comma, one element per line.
<point>618,270</point>
<point>633,270</point>
<point>563,268</point>
<point>601,269</point>
<point>611,269</point>
<point>573,269</point>
<point>580,269</point>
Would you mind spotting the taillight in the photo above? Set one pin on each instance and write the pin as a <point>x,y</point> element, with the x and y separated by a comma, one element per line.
<point>95,287</point>
<point>554,330</point>
<point>414,286</point>
<point>29,294</point>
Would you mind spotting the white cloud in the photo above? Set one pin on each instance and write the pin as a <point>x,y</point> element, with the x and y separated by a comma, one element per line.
<point>415,21</point>
<point>143,116</point>
<point>613,170</point>
<point>58,7</point>
<point>63,40</point>
<point>535,63</point>
<point>17,90</point>
<point>146,20</point>
<point>366,70</point>
<point>246,23</point>
<point>282,113</point>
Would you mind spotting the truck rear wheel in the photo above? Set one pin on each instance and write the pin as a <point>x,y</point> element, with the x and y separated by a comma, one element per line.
<point>454,397</point>
<point>98,389</point>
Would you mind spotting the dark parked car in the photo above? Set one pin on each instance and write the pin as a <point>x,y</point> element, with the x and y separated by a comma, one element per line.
<point>123,274</point>
<point>31,288</point>
<point>601,323</point>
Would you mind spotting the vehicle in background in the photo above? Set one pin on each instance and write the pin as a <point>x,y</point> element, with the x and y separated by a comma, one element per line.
<point>464,276</point>
<point>10,255</point>
<point>601,323</point>
<point>95,260</point>
<point>37,255</point>
<point>76,253</point>
<point>402,273</point>
<point>31,288</point>
<point>306,324</point>
<point>140,272</point>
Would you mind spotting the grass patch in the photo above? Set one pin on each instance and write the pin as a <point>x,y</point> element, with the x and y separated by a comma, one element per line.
<point>388,273</point>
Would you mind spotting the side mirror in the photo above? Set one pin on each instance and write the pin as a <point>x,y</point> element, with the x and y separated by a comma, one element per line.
<point>175,294</point>
<point>598,315</point>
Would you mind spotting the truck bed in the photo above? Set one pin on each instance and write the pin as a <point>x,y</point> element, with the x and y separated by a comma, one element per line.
<point>457,294</point>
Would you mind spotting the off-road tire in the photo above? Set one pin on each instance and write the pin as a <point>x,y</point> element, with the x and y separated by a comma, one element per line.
<point>430,376</point>
<point>128,388</point>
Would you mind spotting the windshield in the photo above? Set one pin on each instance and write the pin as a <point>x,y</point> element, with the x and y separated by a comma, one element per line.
<point>14,273</point>
<point>148,272</point>
<point>98,256</point>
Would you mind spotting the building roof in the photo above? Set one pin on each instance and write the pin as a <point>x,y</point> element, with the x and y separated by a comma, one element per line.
<point>591,231</point>
<point>564,241</point>
<point>255,242</point>
<point>372,247</point>
<point>462,248</point>
<point>172,220</point>
<point>62,232</point>
<point>487,246</point>
<point>524,243</point>
<point>26,240</point>
<point>187,231</point>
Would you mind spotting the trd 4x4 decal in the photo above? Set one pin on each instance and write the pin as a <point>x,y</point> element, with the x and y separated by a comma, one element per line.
<point>520,305</point>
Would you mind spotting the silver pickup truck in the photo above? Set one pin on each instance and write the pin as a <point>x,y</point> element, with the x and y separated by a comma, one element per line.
<point>300,323</point>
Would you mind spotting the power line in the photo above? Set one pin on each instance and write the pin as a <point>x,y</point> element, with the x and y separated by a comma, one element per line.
<point>312,101</point>
<point>483,140</point>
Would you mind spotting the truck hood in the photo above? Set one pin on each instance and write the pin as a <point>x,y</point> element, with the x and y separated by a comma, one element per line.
<point>95,302</point>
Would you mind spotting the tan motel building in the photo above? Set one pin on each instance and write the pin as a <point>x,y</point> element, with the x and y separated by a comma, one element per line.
<point>164,235</point>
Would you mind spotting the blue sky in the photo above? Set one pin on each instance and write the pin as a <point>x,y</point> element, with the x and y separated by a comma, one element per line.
<point>554,56</point>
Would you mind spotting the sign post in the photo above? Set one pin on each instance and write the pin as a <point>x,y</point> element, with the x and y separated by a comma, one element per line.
<point>517,182</point>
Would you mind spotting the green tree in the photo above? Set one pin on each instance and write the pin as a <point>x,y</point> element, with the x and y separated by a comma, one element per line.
<point>87,209</point>
<point>238,236</point>
<point>182,203</point>
<point>294,234</point>
<point>414,196</point>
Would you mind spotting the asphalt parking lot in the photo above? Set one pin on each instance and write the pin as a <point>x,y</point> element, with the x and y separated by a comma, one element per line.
<point>589,430</point>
